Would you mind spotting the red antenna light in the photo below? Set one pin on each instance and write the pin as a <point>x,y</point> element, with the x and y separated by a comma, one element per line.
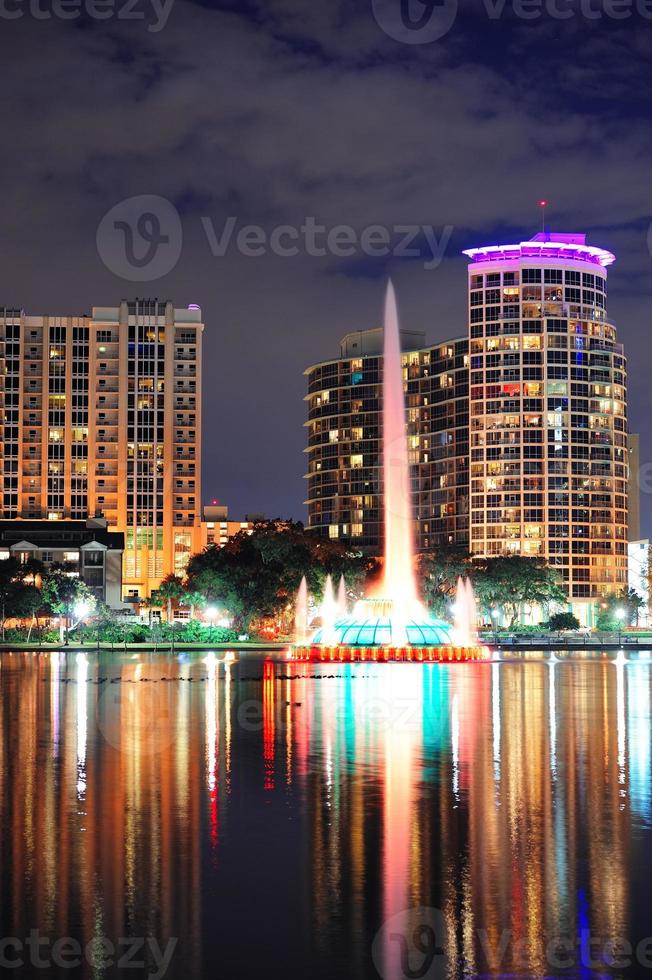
<point>543,205</point>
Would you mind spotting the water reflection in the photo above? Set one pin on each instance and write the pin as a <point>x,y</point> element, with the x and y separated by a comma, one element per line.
<point>264,816</point>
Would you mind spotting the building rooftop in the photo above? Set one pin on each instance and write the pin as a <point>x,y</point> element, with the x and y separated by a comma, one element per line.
<point>544,245</point>
<point>52,535</point>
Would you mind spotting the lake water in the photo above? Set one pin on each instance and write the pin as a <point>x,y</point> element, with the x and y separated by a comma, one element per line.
<point>191,818</point>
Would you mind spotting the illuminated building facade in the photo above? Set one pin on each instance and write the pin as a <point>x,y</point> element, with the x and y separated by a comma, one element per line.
<point>548,408</point>
<point>102,416</point>
<point>344,433</point>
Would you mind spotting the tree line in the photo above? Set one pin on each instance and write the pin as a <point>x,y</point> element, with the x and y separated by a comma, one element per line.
<point>253,580</point>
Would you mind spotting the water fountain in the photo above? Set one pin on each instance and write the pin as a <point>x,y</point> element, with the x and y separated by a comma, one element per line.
<point>465,633</point>
<point>329,613</point>
<point>393,624</point>
<point>341,598</point>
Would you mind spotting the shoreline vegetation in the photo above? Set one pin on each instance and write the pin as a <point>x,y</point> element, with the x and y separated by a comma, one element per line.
<point>248,589</point>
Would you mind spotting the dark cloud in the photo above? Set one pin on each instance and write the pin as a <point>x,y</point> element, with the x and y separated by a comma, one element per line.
<point>271,113</point>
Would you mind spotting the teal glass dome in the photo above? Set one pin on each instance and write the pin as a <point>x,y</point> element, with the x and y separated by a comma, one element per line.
<point>377,631</point>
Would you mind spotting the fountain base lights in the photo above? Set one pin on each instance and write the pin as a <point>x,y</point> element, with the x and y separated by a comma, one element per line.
<point>377,633</point>
<point>385,654</point>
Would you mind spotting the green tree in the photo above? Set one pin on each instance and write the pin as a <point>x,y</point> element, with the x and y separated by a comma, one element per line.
<point>563,621</point>
<point>11,572</point>
<point>256,575</point>
<point>170,590</point>
<point>150,603</point>
<point>513,581</point>
<point>63,594</point>
<point>192,598</point>
<point>618,610</point>
<point>438,574</point>
<point>31,570</point>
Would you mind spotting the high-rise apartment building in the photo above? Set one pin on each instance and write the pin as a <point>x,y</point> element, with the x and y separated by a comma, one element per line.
<point>102,415</point>
<point>539,386</point>
<point>548,410</point>
<point>344,440</point>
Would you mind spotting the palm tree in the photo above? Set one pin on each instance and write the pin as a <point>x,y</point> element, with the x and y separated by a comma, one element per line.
<point>193,598</point>
<point>32,569</point>
<point>150,602</point>
<point>171,588</point>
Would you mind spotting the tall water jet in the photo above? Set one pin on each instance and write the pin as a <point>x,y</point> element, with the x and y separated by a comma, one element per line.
<point>341,598</point>
<point>465,632</point>
<point>472,607</point>
<point>301,614</point>
<point>393,625</point>
<point>459,612</point>
<point>328,613</point>
<point>399,582</point>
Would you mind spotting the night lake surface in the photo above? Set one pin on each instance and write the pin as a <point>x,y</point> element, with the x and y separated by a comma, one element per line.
<point>318,821</point>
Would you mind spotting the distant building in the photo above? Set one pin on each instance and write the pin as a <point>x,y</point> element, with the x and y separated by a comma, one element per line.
<point>344,478</point>
<point>87,549</point>
<point>102,415</point>
<point>634,495</point>
<point>639,575</point>
<point>548,406</point>
<point>217,529</point>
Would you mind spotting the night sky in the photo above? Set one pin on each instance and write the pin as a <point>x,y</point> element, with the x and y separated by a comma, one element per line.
<point>275,113</point>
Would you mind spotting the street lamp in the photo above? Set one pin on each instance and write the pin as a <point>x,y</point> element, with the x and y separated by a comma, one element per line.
<point>81,610</point>
<point>210,613</point>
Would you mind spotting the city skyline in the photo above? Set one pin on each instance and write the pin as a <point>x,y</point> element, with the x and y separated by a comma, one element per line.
<point>218,492</point>
<point>362,142</point>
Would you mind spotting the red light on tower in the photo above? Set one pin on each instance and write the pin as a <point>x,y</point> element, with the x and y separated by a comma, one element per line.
<point>543,205</point>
